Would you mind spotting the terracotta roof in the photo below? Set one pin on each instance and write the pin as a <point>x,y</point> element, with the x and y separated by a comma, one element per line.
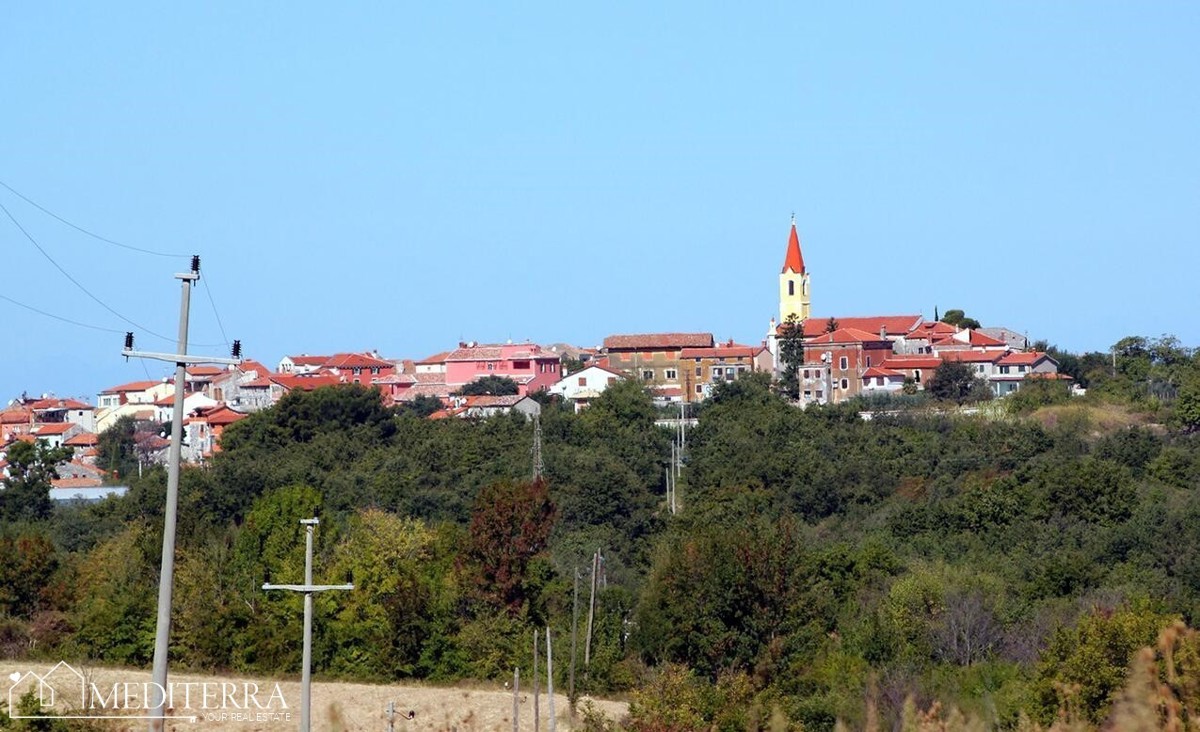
<point>845,335</point>
<point>304,383</point>
<point>912,362</point>
<point>306,360</point>
<point>84,439</point>
<point>896,325</point>
<point>980,339</point>
<point>887,373</point>
<point>396,379</point>
<point>659,341</point>
<point>204,371</point>
<point>57,428</point>
<point>430,378</point>
<point>15,416</point>
<point>495,352</point>
<point>439,390</point>
<point>47,404</point>
<point>76,482</point>
<point>971,356</point>
<point>667,391</point>
<point>434,359</point>
<point>356,360</point>
<point>132,386</point>
<point>490,400</point>
<point>794,261</point>
<point>725,350</point>
<point>1023,357</point>
<point>248,365</point>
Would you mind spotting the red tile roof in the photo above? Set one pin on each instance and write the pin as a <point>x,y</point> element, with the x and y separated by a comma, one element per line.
<point>661,341</point>
<point>896,325</point>
<point>47,404</point>
<point>1022,357</point>
<point>84,439</point>
<point>15,416</point>
<point>971,356</point>
<point>845,335</point>
<point>76,482</point>
<point>57,428</point>
<point>356,360</point>
<point>307,360</point>
<point>725,350</point>
<point>132,386</point>
<point>912,362</point>
<point>887,373</point>
<point>195,371</point>
<point>794,261</point>
<point>434,359</point>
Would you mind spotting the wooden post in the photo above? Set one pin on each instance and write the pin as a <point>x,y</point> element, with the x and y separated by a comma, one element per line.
<point>536,690</point>
<point>550,679</point>
<point>516,698</point>
<point>574,626</point>
<point>587,642</point>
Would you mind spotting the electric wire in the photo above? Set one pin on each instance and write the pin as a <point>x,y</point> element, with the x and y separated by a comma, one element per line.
<point>208,292</point>
<point>74,281</point>
<point>58,317</point>
<point>79,228</point>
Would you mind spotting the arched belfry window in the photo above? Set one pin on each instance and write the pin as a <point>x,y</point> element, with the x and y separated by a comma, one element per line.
<point>791,288</point>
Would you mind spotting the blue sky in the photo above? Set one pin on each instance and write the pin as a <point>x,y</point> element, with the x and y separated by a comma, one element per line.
<point>403,176</point>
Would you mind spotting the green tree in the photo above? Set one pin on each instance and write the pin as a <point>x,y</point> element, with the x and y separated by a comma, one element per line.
<point>959,318</point>
<point>490,385</point>
<point>790,343</point>
<point>31,467</point>
<point>422,406</point>
<point>954,381</point>
<point>831,325</point>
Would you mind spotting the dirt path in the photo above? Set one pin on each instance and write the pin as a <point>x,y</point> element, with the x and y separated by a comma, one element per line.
<point>251,704</point>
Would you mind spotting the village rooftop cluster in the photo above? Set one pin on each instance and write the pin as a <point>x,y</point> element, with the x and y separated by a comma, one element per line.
<point>843,357</point>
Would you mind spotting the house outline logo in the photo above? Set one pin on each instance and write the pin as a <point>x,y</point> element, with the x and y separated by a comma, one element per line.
<point>50,688</point>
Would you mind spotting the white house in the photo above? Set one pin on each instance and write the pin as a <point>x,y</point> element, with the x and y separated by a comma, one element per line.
<point>583,386</point>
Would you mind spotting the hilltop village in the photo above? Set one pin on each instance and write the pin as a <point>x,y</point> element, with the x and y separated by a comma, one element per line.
<point>836,358</point>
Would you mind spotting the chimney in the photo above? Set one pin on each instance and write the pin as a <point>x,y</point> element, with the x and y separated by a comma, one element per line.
<point>883,332</point>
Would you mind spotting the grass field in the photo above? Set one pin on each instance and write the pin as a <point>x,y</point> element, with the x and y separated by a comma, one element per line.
<point>335,705</point>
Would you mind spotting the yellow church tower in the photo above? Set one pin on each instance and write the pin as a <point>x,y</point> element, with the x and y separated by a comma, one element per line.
<point>793,281</point>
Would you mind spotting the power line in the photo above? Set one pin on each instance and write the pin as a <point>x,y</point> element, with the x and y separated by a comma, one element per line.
<point>74,281</point>
<point>208,292</point>
<point>79,228</point>
<point>58,317</point>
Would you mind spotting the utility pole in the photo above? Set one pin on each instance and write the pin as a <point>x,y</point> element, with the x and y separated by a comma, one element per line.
<point>574,632</point>
<point>166,581</point>
<point>538,465</point>
<point>516,698</point>
<point>308,588</point>
<point>550,679</point>
<point>537,701</point>
<point>587,642</point>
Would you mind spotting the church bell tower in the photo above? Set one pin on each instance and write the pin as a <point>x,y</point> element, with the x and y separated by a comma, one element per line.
<point>793,281</point>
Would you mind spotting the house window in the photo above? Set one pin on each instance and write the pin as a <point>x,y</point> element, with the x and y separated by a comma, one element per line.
<point>612,380</point>
<point>716,372</point>
<point>375,370</point>
<point>917,375</point>
<point>491,366</point>
<point>521,365</point>
<point>979,368</point>
<point>647,375</point>
<point>868,362</point>
<point>731,372</point>
<point>878,381</point>
<point>1021,369</point>
<point>843,363</point>
<point>1004,369</point>
<point>808,394</point>
<point>845,384</point>
<point>672,375</point>
<point>699,389</point>
<point>699,370</point>
<point>806,374</point>
<point>583,381</point>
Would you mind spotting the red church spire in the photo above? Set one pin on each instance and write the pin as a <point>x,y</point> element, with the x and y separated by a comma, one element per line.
<point>794,260</point>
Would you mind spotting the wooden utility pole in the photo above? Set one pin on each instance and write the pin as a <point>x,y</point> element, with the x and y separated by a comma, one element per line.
<point>550,679</point>
<point>574,632</point>
<point>516,698</point>
<point>587,643</point>
<point>536,690</point>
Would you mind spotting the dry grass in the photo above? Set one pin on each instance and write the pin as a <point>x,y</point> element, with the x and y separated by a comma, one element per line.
<point>340,706</point>
<point>1097,419</point>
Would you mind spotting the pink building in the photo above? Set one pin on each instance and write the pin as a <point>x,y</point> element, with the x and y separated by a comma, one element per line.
<point>528,364</point>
